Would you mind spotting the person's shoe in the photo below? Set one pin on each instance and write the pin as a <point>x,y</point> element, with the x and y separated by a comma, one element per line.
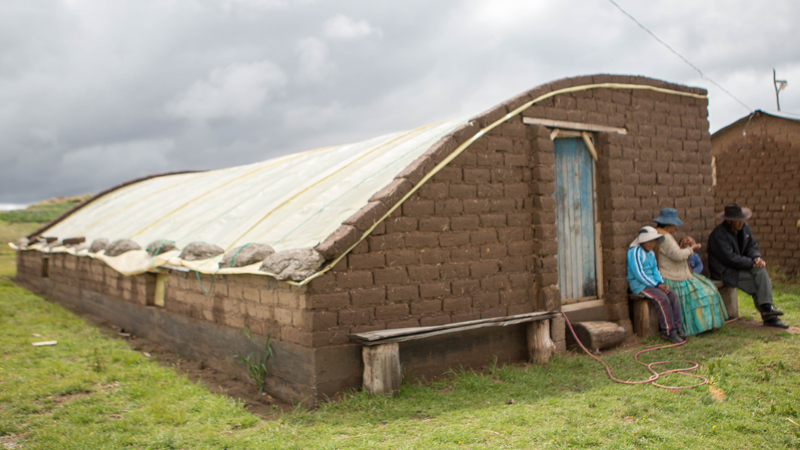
<point>775,322</point>
<point>768,310</point>
<point>672,338</point>
<point>682,334</point>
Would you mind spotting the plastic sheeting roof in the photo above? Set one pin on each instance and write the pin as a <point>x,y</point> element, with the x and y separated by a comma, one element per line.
<point>295,201</point>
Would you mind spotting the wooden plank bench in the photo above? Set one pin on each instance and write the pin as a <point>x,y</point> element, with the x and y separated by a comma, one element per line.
<point>645,322</point>
<point>381,349</point>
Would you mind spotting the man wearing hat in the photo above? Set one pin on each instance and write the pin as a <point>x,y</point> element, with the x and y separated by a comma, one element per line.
<point>734,259</point>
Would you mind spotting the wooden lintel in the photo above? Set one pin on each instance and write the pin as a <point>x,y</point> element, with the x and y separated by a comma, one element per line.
<point>573,125</point>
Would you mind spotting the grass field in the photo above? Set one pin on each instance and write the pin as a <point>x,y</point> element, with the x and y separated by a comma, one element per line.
<point>91,391</point>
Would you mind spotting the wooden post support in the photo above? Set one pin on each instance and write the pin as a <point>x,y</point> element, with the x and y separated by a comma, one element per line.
<point>161,282</point>
<point>641,318</point>
<point>729,298</point>
<point>540,347</point>
<point>598,335</point>
<point>382,368</point>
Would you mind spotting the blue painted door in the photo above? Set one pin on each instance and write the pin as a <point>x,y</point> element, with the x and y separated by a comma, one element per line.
<point>575,219</point>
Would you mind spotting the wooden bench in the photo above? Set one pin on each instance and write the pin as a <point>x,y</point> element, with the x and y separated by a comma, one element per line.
<point>381,349</point>
<point>645,321</point>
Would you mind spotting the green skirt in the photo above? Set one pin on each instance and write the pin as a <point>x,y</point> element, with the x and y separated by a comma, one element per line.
<point>701,305</point>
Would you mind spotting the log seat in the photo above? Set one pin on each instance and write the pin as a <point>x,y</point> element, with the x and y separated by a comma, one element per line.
<point>645,322</point>
<point>381,349</point>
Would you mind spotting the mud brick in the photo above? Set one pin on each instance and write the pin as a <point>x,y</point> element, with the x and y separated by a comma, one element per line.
<point>366,261</point>
<point>408,323</point>
<point>522,280</point>
<point>506,175</point>
<point>463,191</point>
<point>503,205</point>
<point>434,224</point>
<point>458,304</point>
<point>432,290</point>
<point>547,232</point>
<point>423,273</point>
<point>448,207</point>
<point>415,171</point>
<point>485,300</point>
<point>439,319</point>
<point>469,222</point>
<point>350,280</point>
<point>548,264</point>
<point>490,190</point>
<point>506,235</point>
<point>519,160</point>
<point>454,271</point>
<point>465,287</point>
<point>454,239</point>
<point>496,251</point>
<point>329,338</point>
<point>465,254</point>
<point>402,258</point>
<point>434,191</point>
<point>401,224</point>
<point>492,220</point>
<point>418,208</point>
<point>391,311</point>
<point>368,296</point>
<point>449,174</point>
<point>482,237</point>
<point>480,269</point>
<point>520,308</point>
<point>513,264</point>
<point>477,175</point>
<point>434,256</point>
<point>421,240</point>
<point>519,219</point>
<point>402,293</point>
<point>393,192</point>
<point>394,275</point>
<point>355,316</point>
<point>466,131</point>
<point>386,242</point>
<point>495,283</point>
<point>522,248</point>
<point>367,216</point>
<point>338,242</point>
<point>548,278</point>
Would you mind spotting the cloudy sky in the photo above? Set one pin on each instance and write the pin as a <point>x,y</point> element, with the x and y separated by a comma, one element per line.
<point>96,92</point>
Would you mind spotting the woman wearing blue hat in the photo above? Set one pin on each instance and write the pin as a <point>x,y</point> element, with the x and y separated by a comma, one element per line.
<point>701,305</point>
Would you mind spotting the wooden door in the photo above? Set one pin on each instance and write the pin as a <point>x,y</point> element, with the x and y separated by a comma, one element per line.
<point>575,220</point>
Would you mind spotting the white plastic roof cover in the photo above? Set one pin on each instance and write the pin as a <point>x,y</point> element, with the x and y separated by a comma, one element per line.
<point>295,201</point>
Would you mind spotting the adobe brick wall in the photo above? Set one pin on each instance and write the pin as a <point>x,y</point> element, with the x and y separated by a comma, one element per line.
<point>192,323</point>
<point>762,172</point>
<point>479,239</point>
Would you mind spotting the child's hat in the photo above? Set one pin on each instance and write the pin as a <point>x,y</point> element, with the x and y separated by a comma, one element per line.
<point>647,234</point>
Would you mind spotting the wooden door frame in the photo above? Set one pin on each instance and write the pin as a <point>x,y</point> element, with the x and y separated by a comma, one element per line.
<point>598,299</point>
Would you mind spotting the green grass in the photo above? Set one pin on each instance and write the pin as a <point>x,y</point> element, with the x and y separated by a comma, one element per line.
<point>42,212</point>
<point>92,391</point>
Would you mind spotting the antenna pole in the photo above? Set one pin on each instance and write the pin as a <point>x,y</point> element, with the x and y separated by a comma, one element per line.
<point>775,83</point>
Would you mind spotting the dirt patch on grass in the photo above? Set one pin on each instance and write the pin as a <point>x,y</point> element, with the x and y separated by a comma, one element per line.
<point>263,405</point>
<point>758,326</point>
<point>12,441</point>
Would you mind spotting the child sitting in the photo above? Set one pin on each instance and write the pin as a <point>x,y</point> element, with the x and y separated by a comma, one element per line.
<point>645,279</point>
<point>694,261</point>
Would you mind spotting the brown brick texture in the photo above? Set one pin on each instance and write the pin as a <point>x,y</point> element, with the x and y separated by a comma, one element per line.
<point>761,170</point>
<point>479,239</point>
<point>268,306</point>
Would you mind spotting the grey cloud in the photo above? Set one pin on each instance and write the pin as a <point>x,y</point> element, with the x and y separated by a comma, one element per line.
<point>95,93</point>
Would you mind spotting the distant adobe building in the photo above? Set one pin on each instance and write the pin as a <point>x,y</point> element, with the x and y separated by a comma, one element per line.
<point>528,207</point>
<point>757,164</point>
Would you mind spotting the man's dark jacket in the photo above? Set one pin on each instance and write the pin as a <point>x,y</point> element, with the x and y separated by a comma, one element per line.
<point>726,257</point>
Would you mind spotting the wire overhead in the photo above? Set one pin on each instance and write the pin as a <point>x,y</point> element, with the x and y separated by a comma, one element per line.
<point>702,75</point>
